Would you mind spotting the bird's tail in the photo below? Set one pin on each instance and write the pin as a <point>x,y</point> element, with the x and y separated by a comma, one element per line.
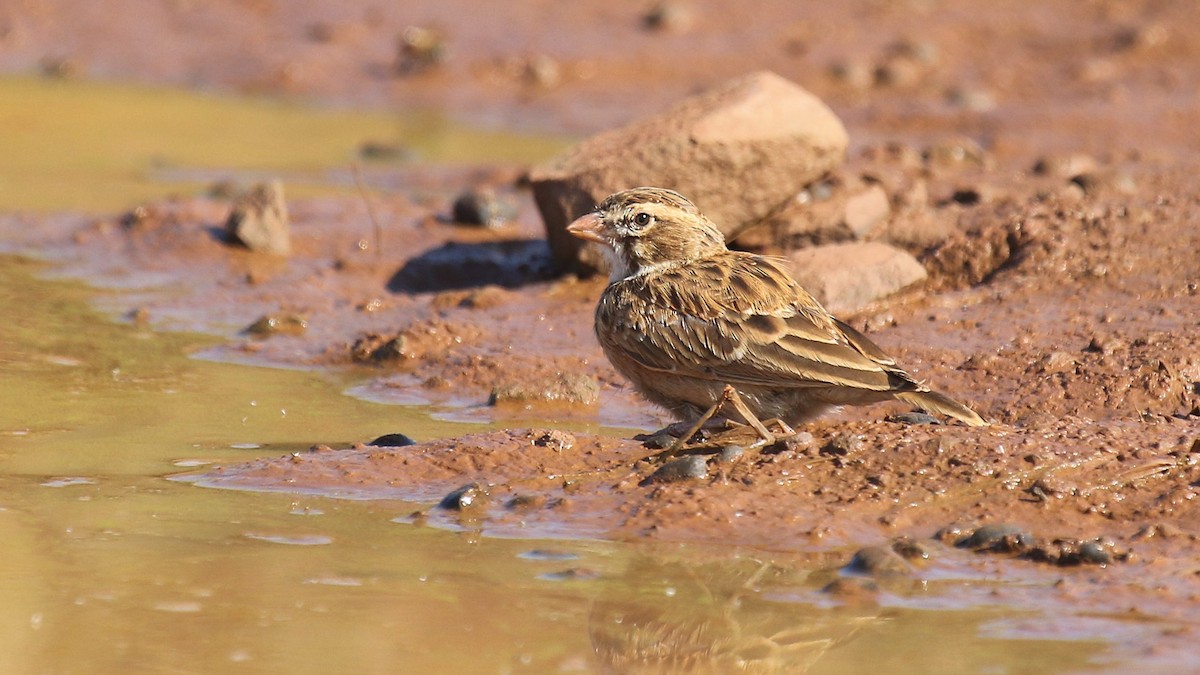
<point>931,401</point>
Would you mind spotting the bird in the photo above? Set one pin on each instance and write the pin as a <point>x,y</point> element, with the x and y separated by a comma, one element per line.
<point>695,326</point>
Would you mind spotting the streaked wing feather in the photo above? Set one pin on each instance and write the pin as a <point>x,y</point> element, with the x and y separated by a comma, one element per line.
<point>742,320</point>
<point>864,344</point>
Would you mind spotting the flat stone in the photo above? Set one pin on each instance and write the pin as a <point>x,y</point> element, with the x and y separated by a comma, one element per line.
<point>847,277</point>
<point>738,151</point>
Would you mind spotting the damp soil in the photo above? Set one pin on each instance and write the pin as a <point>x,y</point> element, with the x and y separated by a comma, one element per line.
<point>1054,153</point>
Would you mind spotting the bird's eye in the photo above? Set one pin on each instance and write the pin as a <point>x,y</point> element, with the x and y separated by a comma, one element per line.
<point>641,219</point>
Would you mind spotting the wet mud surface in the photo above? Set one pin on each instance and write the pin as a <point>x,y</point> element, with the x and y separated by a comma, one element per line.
<point>1048,158</point>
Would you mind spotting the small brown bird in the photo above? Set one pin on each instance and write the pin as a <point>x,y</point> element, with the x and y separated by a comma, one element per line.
<point>694,325</point>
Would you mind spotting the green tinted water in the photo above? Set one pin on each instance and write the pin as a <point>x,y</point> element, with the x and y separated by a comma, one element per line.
<point>111,566</point>
<point>69,145</point>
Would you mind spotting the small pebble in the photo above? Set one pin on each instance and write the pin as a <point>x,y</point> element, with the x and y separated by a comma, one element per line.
<point>681,469</point>
<point>1163,530</point>
<point>1088,182</point>
<point>853,590</point>
<point>842,445</point>
<point>60,69</point>
<point>659,441</point>
<point>559,440</point>
<point>973,99</point>
<point>484,208</point>
<point>139,316</point>
<point>1093,553</point>
<point>465,497</point>
<point>730,453</point>
<point>420,49</point>
<point>998,537</point>
<point>910,549</point>
<point>543,71</point>
<point>671,17</point>
<point>876,561</point>
<point>967,196</point>
<point>277,324</point>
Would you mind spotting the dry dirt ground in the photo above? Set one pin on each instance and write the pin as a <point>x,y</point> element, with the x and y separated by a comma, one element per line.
<point>1055,148</point>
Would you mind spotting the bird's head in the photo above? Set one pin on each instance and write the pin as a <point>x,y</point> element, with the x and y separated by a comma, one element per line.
<point>645,227</point>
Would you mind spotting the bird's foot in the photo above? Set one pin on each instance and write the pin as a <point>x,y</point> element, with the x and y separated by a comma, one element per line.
<point>676,448</point>
<point>730,397</point>
<point>777,430</point>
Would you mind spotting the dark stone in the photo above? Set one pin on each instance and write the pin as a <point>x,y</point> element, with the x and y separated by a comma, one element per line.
<point>1093,553</point>
<point>876,561</point>
<point>453,265</point>
<point>392,441</point>
<point>730,453</point>
<point>483,207</point>
<point>468,496</point>
<point>967,196</point>
<point>658,441</point>
<point>681,469</point>
<point>1000,538</point>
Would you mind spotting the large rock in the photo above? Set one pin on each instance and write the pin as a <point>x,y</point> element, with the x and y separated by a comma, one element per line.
<point>847,277</point>
<point>738,151</point>
<point>839,207</point>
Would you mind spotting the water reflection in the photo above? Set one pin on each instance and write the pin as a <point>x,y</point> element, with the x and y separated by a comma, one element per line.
<point>664,617</point>
<point>108,566</point>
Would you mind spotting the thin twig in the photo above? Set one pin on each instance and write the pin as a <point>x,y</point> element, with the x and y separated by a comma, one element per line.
<point>362,190</point>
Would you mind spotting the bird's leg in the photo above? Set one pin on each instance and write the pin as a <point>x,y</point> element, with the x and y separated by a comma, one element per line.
<point>731,396</point>
<point>674,449</point>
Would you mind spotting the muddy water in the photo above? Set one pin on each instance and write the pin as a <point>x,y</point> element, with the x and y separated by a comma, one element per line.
<point>113,562</point>
<point>87,146</point>
<point>110,565</point>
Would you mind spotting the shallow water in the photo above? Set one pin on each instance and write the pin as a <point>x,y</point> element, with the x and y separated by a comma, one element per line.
<point>112,565</point>
<point>74,145</point>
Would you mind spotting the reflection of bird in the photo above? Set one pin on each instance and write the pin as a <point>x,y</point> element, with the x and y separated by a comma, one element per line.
<point>694,325</point>
<point>720,618</point>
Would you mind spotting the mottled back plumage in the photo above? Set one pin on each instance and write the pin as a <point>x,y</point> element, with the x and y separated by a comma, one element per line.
<point>683,316</point>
